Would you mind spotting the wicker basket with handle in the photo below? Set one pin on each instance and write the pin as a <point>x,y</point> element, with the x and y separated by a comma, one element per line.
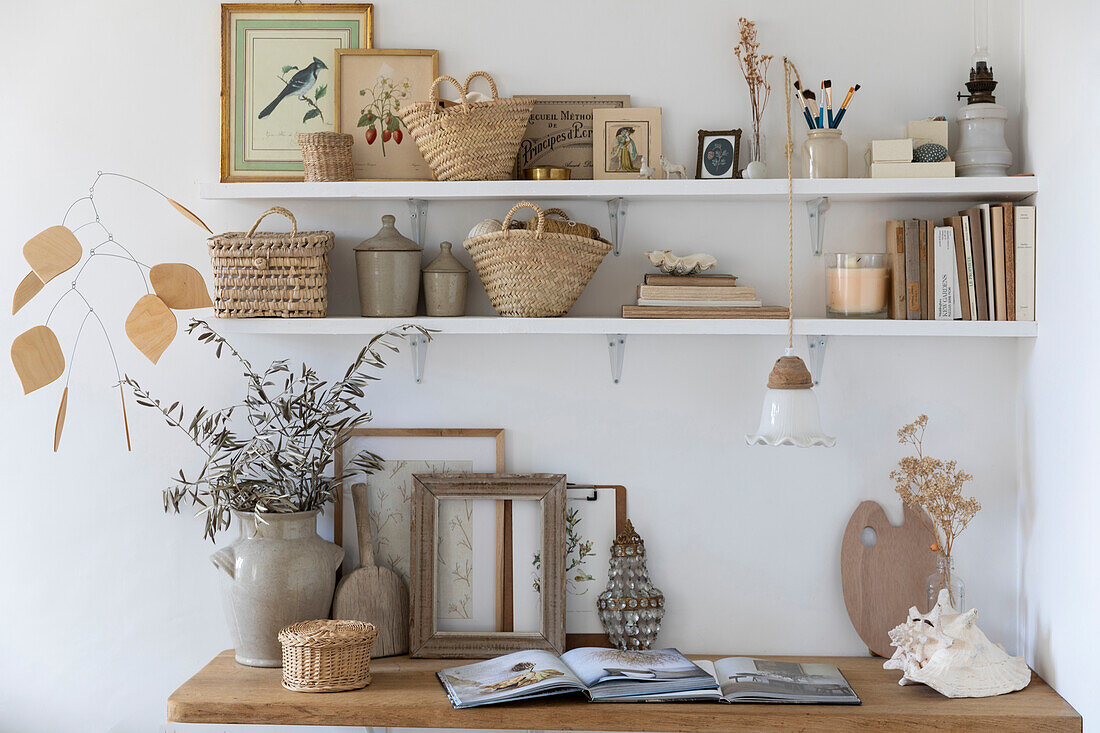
<point>327,656</point>
<point>271,274</point>
<point>327,156</point>
<point>471,141</point>
<point>534,274</point>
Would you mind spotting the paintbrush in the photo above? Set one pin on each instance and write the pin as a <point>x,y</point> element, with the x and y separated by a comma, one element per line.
<point>805,108</point>
<point>827,91</point>
<point>811,100</point>
<point>844,106</point>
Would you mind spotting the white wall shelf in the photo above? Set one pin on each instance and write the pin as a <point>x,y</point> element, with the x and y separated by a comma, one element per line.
<point>1013,188</point>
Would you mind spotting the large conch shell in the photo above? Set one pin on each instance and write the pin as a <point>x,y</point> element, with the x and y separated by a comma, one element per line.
<point>948,652</point>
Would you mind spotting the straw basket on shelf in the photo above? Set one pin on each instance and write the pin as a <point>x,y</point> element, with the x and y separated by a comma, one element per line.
<point>470,141</point>
<point>326,156</point>
<point>271,274</point>
<point>535,274</point>
<point>327,656</point>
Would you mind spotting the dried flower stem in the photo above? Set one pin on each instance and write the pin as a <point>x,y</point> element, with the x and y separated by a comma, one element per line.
<point>754,67</point>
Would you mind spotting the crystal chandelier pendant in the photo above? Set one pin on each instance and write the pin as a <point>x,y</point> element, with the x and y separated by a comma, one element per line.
<point>790,415</point>
<point>631,609</point>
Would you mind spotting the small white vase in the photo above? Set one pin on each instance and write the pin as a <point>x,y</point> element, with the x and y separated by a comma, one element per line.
<point>277,572</point>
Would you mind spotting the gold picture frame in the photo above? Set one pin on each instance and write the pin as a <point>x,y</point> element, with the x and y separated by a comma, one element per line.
<point>254,35</point>
<point>411,82</point>
<point>621,138</point>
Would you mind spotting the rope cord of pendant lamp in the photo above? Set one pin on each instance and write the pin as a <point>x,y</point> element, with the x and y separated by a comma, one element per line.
<point>788,66</point>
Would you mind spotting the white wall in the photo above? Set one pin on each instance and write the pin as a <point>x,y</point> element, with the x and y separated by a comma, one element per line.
<point>1059,583</point>
<point>109,605</point>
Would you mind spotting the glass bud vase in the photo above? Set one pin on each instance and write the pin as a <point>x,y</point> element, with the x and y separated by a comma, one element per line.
<point>946,577</point>
<point>757,167</point>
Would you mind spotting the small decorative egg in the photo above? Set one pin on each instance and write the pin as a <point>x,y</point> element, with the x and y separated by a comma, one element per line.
<point>929,153</point>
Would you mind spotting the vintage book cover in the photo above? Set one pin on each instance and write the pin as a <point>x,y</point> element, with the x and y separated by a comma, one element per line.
<point>559,132</point>
<point>974,217</point>
<point>665,311</point>
<point>965,283</point>
<point>689,292</point>
<point>987,250</point>
<point>1000,295</point>
<point>925,267</point>
<point>697,281</point>
<point>912,270</point>
<point>968,254</point>
<point>1010,262</point>
<point>895,256</point>
<point>695,303</point>
<point>1024,230</point>
<point>945,275</point>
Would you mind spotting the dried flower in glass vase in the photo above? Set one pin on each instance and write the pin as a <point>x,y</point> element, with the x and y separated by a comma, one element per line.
<point>754,67</point>
<point>935,487</point>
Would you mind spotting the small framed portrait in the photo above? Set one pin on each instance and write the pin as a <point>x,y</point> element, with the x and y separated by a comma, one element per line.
<point>277,61</point>
<point>623,140</point>
<point>719,154</point>
<point>372,85</point>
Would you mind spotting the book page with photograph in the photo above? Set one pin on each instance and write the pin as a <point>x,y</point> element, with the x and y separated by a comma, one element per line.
<point>617,673</point>
<point>520,675</point>
<point>744,679</point>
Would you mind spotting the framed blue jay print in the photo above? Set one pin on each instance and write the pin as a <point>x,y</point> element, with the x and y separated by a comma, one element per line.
<point>277,81</point>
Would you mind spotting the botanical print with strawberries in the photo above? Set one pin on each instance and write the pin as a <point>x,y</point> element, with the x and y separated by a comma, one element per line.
<point>379,115</point>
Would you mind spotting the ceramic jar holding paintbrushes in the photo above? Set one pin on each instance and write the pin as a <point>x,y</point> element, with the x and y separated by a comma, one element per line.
<point>388,266</point>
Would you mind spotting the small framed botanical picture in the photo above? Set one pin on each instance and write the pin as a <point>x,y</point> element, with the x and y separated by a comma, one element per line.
<point>719,154</point>
<point>622,139</point>
<point>372,85</point>
<point>277,61</point>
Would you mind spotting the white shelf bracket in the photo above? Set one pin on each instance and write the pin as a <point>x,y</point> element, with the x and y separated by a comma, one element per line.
<point>419,343</point>
<point>616,212</point>
<point>418,218</point>
<point>616,347</point>
<point>816,208</point>
<point>816,345</point>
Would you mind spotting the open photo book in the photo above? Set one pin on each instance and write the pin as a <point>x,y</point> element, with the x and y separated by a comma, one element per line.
<point>611,675</point>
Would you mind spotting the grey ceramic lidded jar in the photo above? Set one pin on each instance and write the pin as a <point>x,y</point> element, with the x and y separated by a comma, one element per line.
<point>388,266</point>
<point>445,284</point>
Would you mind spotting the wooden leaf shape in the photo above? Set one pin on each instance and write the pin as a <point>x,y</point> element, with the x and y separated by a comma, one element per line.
<point>26,290</point>
<point>151,326</point>
<point>60,424</point>
<point>51,252</point>
<point>37,358</point>
<point>180,286</point>
<point>189,214</point>
<point>125,422</point>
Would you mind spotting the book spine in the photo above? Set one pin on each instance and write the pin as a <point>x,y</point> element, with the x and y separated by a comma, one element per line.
<point>912,270</point>
<point>963,301</point>
<point>895,251</point>
<point>1024,227</point>
<point>695,293</point>
<point>694,303</point>
<point>987,250</point>
<point>1010,262</point>
<point>1000,291</point>
<point>945,274</point>
<point>968,256</point>
<point>978,250</point>
<point>922,276</point>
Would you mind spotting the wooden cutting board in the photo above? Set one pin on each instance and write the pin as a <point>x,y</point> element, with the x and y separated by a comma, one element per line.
<point>373,594</point>
<point>883,581</point>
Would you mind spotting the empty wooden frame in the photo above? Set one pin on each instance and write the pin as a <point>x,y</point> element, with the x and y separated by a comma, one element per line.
<point>425,640</point>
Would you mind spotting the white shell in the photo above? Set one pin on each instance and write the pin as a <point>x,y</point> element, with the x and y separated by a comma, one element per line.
<point>673,265</point>
<point>948,652</point>
<point>487,226</point>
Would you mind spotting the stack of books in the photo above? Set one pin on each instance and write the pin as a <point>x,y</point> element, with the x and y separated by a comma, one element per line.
<point>977,266</point>
<point>698,296</point>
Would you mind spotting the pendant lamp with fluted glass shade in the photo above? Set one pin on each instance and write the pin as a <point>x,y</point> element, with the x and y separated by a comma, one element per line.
<point>790,415</point>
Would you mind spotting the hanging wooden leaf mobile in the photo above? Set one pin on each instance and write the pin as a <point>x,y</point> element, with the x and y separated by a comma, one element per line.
<point>59,425</point>
<point>180,286</point>
<point>27,289</point>
<point>189,214</point>
<point>37,357</point>
<point>51,252</point>
<point>151,326</point>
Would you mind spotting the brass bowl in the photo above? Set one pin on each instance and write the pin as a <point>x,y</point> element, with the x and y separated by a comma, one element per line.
<point>547,173</point>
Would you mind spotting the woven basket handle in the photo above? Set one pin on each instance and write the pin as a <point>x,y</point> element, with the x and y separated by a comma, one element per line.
<point>276,210</point>
<point>434,96</point>
<point>562,214</point>
<point>484,75</point>
<point>525,205</point>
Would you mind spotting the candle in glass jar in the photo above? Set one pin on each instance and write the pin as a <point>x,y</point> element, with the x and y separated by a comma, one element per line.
<point>856,285</point>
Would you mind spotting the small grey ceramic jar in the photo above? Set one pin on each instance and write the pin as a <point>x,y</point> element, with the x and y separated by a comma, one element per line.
<point>388,266</point>
<point>445,284</point>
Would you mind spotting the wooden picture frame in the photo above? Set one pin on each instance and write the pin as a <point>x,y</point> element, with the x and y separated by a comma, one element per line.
<point>418,68</point>
<point>243,44</point>
<point>425,640</point>
<point>581,639</point>
<point>734,168</point>
<point>621,138</point>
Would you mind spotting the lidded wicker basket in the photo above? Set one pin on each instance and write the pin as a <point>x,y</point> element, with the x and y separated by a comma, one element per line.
<point>327,656</point>
<point>470,141</point>
<point>535,274</point>
<point>260,274</point>
<point>326,156</point>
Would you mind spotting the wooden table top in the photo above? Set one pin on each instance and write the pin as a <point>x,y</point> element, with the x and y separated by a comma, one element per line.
<point>406,693</point>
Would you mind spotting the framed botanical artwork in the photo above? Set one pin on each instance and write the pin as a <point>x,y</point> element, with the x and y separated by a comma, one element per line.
<point>371,87</point>
<point>621,138</point>
<point>277,62</point>
<point>544,495</point>
<point>560,132</point>
<point>719,154</point>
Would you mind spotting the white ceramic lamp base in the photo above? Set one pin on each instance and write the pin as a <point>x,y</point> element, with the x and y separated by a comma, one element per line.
<point>982,150</point>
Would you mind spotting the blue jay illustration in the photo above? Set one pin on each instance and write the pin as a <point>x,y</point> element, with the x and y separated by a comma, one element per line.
<point>299,84</point>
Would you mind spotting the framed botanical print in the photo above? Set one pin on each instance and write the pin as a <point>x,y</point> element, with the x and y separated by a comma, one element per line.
<point>277,78</point>
<point>719,154</point>
<point>621,138</point>
<point>371,87</point>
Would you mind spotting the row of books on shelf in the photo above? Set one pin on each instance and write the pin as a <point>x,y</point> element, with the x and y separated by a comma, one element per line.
<point>698,296</point>
<point>977,266</point>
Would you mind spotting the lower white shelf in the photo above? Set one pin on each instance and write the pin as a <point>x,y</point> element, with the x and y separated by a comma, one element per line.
<point>478,325</point>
